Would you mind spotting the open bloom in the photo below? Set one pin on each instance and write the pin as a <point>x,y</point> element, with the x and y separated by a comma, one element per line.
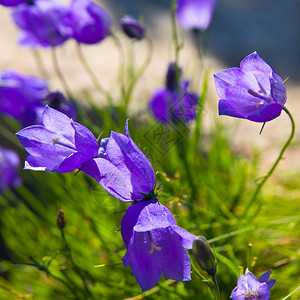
<point>59,144</point>
<point>252,92</point>
<point>21,95</point>
<point>155,244</point>
<point>250,288</point>
<point>174,103</point>
<point>122,169</point>
<point>132,27</point>
<point>44,23</point>
<point>11,2</point>
<point>195,14</point>
<point>90,22</point>
<point>9,162</point>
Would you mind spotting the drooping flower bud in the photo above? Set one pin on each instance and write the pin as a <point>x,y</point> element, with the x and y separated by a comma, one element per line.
<point>171,79</point>
<point>132,27</point>
<point>61,219</point>
<point>204,255</point>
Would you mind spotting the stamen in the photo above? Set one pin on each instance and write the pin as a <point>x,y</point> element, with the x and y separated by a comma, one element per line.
<point>55,141</point>
<point>153,247</point>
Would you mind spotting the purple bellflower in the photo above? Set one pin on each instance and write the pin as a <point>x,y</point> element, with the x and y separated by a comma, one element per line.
<point>132,27</point>
<point>12,2</point>
<point>122,169</point>
<point>250,288</point>
<point>59,144</point>
<point>173,103</point>
<point>43,23</point>
<point>90,22</point>
<point>21,95</point>
<point>252,92</point>
<point>155,244</point>
<point>195,14</point>
<point>9,162</point>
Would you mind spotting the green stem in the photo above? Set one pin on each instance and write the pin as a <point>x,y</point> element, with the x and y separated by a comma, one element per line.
<point>216,287</point>
<point>40,64</point>
<point>292,293</point>
<point>174,30</point>
<point>139,73</point>
<point>60,74</point>
<point>91,74</point>
<point>265,178</point>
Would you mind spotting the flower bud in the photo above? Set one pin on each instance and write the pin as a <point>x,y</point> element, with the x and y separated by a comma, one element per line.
<point>204,255</point>
<point>171,78</point>
<point>132,27</point>
<point>61,219</point>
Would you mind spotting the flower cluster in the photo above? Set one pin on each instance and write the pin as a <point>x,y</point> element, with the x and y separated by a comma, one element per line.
<point>249,287</point>
<point>155,244</point>
<point>24,97</point>
<point>174,103</point>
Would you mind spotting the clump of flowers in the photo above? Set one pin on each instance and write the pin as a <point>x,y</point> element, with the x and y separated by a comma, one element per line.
<point>250,288</point>
<point>9,163</point>
<point>174,103</point>
<point>252,92</point>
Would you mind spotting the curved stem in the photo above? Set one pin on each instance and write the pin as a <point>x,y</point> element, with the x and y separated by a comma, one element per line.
<point>216,287</point>
<point>40,64</point>
<point>60,74</point>
<point>174,30</point>
<point>265,178</point>
<point>139,72</point>
<point>91,74</point>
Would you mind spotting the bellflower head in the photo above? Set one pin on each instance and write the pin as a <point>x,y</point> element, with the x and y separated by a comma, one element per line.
<point>12,2</point>
<point>174,103</point>
<point>250,288</point>
<point>59,144</point>
<point>155,244</point>
<point>252,92</point>
<point>21,95</point>
<point>90,22</point>
<point>9,162</point>
<point>43,23</point>
<point>195,14</point>
<point>132,27</point>
<point>122,169</point>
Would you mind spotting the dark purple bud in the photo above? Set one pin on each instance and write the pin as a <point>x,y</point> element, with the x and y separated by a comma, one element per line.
<point>173,76</point>
<point>204,255</point>
<point>61,219</point>
<point>132,27</point>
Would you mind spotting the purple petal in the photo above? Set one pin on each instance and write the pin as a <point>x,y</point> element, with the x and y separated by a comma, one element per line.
<point>109,177</point>
<point>132,27</point>
<point>253,62</point>
<point>159,105</point>
<point>264,277</point>
<point>145,266</point>
<point>171,252</point>
<point>195,14</point>
<point>271,283</point>
<point>266,113</point>
<point>186,238</point>
<point>278,89</point>
<point>132,163</point>
<point>264,291</point>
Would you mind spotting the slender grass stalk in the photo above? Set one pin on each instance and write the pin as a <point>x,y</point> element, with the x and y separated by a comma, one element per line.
<point>265,178</point>
<point>40,64</point>
<point>292,293</point>
<point>174,30</point>
<point>91,74</point>
<point>60,74</point>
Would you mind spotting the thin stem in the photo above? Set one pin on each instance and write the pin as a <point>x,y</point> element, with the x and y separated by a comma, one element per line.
<point>60,74</point>
<point>216,287</point>
<point>292,293</point>
<point>174,30</point>
<point>287,143</point>
<point>92,75</point>
<point>40,64</point>
<point>139,72</point>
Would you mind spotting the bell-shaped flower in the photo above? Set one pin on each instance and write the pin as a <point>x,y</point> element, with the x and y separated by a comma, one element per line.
<point>174,103</point>
<point>21,95</point>
<point>43,23</point>
<point>121,168</point>
<point>155,244</point>
<point>9,162</point>
<point>90,22</point>
<point>132,27</point>
<point>252,92</point>
<point>195,14</point>
<point>250,288</point>
<point>59,144</point>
